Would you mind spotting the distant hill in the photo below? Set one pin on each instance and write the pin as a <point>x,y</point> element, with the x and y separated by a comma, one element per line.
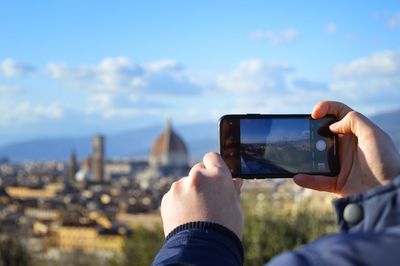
<point>390,122</point>
<point>200,138</point>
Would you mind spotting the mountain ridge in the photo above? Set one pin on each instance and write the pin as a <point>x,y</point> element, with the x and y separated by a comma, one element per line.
<point>199,137</point>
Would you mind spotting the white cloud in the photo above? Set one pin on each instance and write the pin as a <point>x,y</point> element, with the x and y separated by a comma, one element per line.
<point>59,71</point>
<point>368,84</point>
<point>114,82</point>
<point>381,64</point>
<point>26,112</point>
<point>109,106</point>
<point>258,87</point>
<point>103,104</point>
<point>117,87</point>
<point>164,65</point>
<point>394,21</point>
<point>308,85</point>
<point>121,75</point>
<point>11,68</point>
<point>331,27</point>
<point>115,72</point>
<point>372,81</point>
<point>110,74</point>
<point>253,76</point>
<point>276,38</point>
<point>9,90</point>
<point>52,111</point>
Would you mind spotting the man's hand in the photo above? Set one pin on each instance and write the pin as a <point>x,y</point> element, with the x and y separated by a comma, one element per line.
<point>208,193</point>
<point>367,154</point>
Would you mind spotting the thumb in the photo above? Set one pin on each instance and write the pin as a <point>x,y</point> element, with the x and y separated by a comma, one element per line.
<point>316,182</point>
<point>238,183</point>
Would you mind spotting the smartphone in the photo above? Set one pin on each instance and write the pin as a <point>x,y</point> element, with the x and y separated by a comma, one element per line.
<point>274,146</point>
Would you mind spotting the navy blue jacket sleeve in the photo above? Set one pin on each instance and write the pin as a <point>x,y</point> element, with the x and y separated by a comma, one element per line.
<point>372,238</point>
<point>200,243</point>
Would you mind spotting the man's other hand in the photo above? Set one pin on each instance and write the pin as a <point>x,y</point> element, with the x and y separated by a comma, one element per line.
<point>367,154</point>
<point>208,193</point>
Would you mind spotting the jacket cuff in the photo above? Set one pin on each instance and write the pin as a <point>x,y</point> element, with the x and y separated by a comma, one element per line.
<point>210,227</point>
<point>204,225</point>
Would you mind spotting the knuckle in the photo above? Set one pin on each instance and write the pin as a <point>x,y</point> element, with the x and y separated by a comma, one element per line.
<point>353,118</point>
<point>195,173</point>
<point>353,114</point>
<point>220,171</point>
<point>174,187</point>
<point>172,192</point>
<point>196,178</point>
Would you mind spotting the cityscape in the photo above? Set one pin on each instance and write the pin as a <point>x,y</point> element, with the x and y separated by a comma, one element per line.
<point>92,205</point>
<point>276,157</point>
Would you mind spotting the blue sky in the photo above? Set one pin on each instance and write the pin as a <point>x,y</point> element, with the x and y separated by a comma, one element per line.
<point>80,67</point>
<point>274,130</point>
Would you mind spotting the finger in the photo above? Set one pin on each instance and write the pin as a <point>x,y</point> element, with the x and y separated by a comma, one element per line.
<point>337,109</point>
<point>351,123</point>
<point>317,182</point>
<point>238,183</point>
<point>196,178</point>
<point>198,167</point>
<point>213,160</point>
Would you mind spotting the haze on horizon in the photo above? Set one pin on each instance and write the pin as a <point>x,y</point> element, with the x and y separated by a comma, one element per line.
<point>72,68</point>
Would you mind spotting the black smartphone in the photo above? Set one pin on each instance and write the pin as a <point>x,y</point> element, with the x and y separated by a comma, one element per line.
<point>270,146</point>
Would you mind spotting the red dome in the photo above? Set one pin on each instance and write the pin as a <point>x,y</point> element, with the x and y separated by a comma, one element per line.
<point>167,146</point>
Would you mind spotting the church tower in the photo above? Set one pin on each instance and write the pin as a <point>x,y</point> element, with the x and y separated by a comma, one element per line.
<point>72,168</point>
<point>98,158</point>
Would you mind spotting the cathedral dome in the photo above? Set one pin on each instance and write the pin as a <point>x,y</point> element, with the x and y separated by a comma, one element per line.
<point>169,149</point>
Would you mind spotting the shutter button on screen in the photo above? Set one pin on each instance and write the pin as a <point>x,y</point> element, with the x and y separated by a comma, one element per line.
<point>320,145</point>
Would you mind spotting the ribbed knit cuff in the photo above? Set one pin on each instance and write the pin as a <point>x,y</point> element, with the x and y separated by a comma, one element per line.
<point>208,226</point>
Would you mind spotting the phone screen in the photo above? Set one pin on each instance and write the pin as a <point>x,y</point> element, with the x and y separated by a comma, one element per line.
<point>259,146</point>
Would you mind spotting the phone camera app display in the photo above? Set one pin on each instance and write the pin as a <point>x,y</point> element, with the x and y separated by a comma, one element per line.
<point>275,146</point>
<point>278,145</point>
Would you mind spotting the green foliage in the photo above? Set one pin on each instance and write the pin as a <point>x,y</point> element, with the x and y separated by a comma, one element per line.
<point>78,258</point>
<point>275,226</point>
<point>272,225</point>
<point>13,252</point>
<point>141,248</point>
